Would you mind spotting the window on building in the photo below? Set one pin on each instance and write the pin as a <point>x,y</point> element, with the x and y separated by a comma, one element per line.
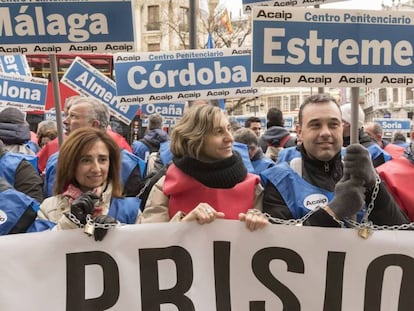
<point>154,47</point>
<point>294,102</point>
<point>286,103</point>
<point>153,17</point>
<point>274,102</point>
<point>395,95</point>
<point>184,19</point>
<point>382,94</point>
<point>409,93</point>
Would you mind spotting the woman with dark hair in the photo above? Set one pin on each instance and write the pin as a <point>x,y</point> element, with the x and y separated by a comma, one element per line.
<point>88,190</point>
<point>206,180</point>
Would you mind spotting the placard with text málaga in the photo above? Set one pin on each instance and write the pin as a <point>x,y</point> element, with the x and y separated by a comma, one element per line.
<point>49,26</point>
<point>332,48</point>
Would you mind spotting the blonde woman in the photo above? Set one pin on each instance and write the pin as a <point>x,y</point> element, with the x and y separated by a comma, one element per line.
<point>206,180</point>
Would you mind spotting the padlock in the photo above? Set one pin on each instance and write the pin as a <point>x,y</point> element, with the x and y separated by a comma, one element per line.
<point>89,229</point>
<point>364,233</point>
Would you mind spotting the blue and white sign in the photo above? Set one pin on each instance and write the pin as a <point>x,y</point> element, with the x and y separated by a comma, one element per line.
<point>15,64</point>
<point>289,122</point>
<point>332,48</point>
<point>25,93</point>
<point>183,75</point>
<point>169,110</point>
<point>89,81</point>
<point>248,4</point>
<point>394,125</point>
<point>66,26</point>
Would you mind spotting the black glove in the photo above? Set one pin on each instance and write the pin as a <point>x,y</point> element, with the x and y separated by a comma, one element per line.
<point>349,198</point>
<point>83,206</point>
<point>358,165</point>
<point>100,233</point>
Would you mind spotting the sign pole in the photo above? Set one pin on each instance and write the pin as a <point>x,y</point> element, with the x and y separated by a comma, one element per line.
<point>354,115</point>
<point>56,95</point>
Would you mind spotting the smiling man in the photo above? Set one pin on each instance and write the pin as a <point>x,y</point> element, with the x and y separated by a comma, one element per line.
<point>319,181</point>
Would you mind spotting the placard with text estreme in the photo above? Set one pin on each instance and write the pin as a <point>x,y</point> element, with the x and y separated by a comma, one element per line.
<point>332,48</point>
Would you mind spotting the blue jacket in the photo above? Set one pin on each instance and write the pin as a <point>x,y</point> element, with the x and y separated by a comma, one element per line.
<point>9,163</point>
<point>18,213</point>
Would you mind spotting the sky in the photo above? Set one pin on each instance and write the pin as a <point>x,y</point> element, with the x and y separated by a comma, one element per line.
<point>236,5</point>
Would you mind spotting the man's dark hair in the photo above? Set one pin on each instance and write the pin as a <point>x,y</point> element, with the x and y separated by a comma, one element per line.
<point>251,120</point>
<point>274,117</point>
<point>315,99</point>
<point>398,136</point>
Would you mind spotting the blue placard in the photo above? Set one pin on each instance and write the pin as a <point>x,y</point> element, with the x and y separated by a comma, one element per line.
<point>171,110</point>
<point>183,75</point>
<point>395,125</point>
<point>289,122</point>
<point>50,26</point>
<point>25,93</point>
<point>15,64</point>
<point>87,80</point>
<point>332,48</point>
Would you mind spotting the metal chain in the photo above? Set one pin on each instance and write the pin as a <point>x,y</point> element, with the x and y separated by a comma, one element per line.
<point>90,221</point>
<point>365,224</point>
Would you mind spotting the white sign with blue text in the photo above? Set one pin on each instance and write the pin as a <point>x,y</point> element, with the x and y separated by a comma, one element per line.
<point>248,4</point>
<point>332,48</point>
<point>394,125</point>
<point>50,26</point>
<point>15,64</point>
<point>186,75</point>
<point>25,93</point>
<point>89,81</point>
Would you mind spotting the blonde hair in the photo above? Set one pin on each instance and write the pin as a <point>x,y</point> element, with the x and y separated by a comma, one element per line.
<point>187,137</point>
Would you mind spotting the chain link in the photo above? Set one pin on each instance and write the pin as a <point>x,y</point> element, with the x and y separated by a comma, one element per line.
<point>364,224</point>
<point>90,221</point>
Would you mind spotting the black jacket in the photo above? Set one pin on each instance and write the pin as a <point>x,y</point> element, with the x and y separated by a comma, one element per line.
<point>325,175</point>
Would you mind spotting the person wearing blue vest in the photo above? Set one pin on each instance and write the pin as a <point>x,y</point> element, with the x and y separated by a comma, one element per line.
<point>259,161</point>
<point>18,212</point>
<point>88,190</point>
<point>20,171</point>
<point>89,112</point>
<point>319,184</point>
<point>152,139</point>
<point>378,155</point>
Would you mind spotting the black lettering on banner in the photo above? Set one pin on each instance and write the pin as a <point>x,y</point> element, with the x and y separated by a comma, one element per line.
<point>75,276</point>
<point>375,277</point>
<point>260,264</point>
<point>152,297</point>
<point>334,281</point>
<point>222,275</point>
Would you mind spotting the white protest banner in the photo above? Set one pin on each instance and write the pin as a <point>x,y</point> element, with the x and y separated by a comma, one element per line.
<point>89,81</point>
<point>332,48</point>
<point>25,93</point>
<point>187,75</point>
<point>248,4</point>
<point>16,64</point>
<point>66,26</point>
<point>220,266</point>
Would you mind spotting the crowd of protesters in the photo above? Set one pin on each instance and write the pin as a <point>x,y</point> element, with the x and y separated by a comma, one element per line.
<point>204,169</point>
